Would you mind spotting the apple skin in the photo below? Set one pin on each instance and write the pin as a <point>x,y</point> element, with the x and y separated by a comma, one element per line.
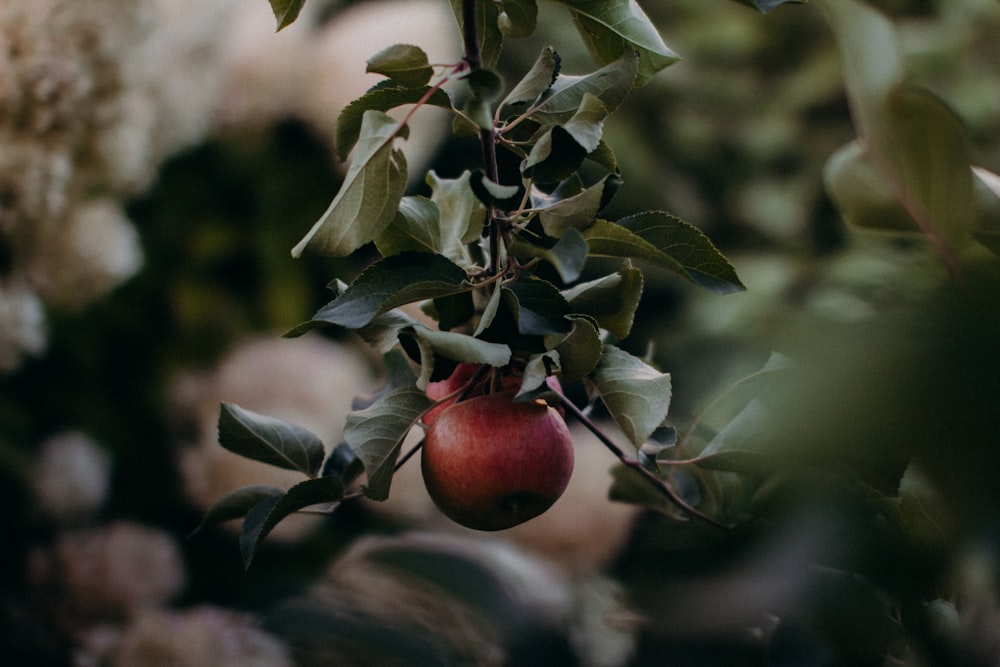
<point>460,377</point>
<point>490,463</point>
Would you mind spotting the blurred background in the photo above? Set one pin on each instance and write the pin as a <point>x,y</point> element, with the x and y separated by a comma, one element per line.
<point>159,159</point>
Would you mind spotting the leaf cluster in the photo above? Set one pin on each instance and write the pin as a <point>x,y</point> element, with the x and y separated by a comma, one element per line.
<point>490,268</point>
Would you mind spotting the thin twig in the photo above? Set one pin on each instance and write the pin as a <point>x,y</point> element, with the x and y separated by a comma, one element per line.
<point>663,487</point>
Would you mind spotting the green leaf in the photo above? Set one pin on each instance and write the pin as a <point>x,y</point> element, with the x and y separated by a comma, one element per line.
<point>559,152</point>
<point>416,228</point>
<point>539,79</point>
<point>739,446</point>
<point>611,300</point>
<point>487,190</point>
<point>604,156</point>
<point>611,85</point>
<point>915,142</point>
<point>522,17</point>
<point>462,214</point>
<point>405,64</point>
<point>580,350</point>
<point>568,255</point>
<point>453,310</point>
<point>860,194</point>
<point>269,440</point>
<point>392,282</point>
<point>612,27</point>
<point>628,486</point>
<point>264,516</point>
<point>490,310</point>
<point>536,371</point>
<point>636,395</point>
<point>342,463</point>
<point>577,211</point>
<point>236,504</point>
<point>379,98</point>
<point>485,84</point>
<point>369,196</point>
<point>766,6</point>
<point>455,346</point>
<point>286,11</point>
<point>538,306</point>
<point>487,28</point>
<point>377,432</point>
<point>444,224</point>
<point>668,242</point>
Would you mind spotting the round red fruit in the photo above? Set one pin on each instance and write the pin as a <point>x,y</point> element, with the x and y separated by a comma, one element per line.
<point>490,463</point>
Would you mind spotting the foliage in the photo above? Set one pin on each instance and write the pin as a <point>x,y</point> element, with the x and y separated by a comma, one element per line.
<point>508,267</point>
<point>494,257</point>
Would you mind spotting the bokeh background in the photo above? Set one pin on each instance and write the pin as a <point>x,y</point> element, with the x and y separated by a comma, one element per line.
<point>159,158</point>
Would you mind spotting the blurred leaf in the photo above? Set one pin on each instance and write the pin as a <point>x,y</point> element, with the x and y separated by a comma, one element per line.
<point>668,242</point>
<point>767,5</point>
<point>628,486</point>
<point>405,64</point>
<point>538,306</point>
<point>382,97</point>
<point>236,504</point>
<point>923,510</point>
<point>636,395</point>
<point>611,300</point>
<point>485,84</point>
<point>861,195</point>
<point>539,78</point>
<point>264,516</point>
<point>611,85</point>
<point>522,15</point>
<point>269,440</point>
<point>392,282</point>
<point>369,196</point>
<point>580,350</point>
<point>286,11</point>
<point>738,446</point>
<point>568,255</point>
<point>611,28</point>
<point>377,432</point>
<point>915,142</point>
<point>578,210</point>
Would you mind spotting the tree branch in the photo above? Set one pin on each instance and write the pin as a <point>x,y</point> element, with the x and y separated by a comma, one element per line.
<point>662,486</point>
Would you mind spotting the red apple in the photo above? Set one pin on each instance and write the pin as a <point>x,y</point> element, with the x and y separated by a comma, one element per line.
<point>490,463</point>
<point>460,377</point>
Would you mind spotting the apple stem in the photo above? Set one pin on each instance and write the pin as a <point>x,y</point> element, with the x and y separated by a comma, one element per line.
<point>661,485</point>
<point>487,137</point>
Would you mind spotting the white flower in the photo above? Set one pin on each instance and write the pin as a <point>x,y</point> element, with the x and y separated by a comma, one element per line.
<point>22,325</point>
<point>110,572</point>
<point>71,476</point>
